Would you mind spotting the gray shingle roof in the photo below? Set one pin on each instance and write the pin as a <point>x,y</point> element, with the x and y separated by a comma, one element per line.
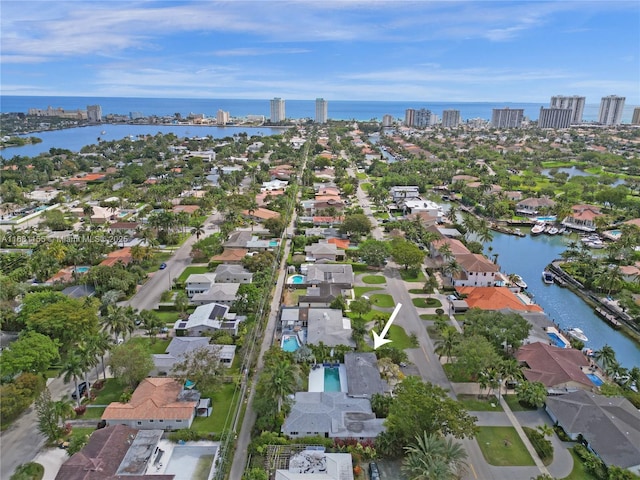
<point>363,376</point>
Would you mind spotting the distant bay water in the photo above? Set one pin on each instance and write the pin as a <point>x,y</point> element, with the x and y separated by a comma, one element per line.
<point>337,109</point>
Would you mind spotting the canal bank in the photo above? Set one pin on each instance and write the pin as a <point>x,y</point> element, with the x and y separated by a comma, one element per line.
<point>528,256</point>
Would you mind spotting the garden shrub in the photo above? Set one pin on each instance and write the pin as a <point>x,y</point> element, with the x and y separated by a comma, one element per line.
<point>543,447</point>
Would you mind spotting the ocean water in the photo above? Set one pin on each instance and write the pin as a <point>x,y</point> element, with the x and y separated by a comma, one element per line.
<point>337,109</point>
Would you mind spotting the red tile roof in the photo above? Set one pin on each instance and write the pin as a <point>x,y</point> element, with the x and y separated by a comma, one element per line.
<point>495,298</point>
<point>553,366</point>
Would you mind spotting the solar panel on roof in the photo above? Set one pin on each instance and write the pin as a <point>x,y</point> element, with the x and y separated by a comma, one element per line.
<point>218,312</point>
<point>182,324</point>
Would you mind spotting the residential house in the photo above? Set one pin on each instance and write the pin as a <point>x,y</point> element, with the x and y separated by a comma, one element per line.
<point>199,283</point>
<point>157,403</point>
<point>260,214</point>
<point>263,198</point>
<point>225,273</point>
<point>314,464</point>
<point>325,232</point>
<point>610,426</point>
<point>476,271</point>
<point>230,255</point>
<point>329,326</point>
<point>208,318</point>
<point>190,209</point>
<point>630,273</point>
<point>425,218</point>
<point>339,274</point>
<point>363,376</point>
<point>113,453</point>
<point>534,205</point>
<point>273,185</point>
<point>124,228</point>
<point>221,293</point>
<point>326,221</point>
<point>321,296</point>
<point>400,194</point>
<point>122,255</point>
<point>583,218</point>
<point>181,346</point>
<point>323,251</point>
<point>557,368</point>
<point>495,298</point>
<point>331,415</point>
<point>423,206</point>
<point>455,247</point>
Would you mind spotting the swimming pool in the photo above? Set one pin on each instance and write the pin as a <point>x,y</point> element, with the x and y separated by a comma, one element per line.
<point>331,379</point>
<point>551,218</point>
<point>290,343</point>
<point>595,379</point>
<point>273,243</point>
<point>296,279</point>
<point>557,341</point>
<point>82,269</point>
<point>191,462</point>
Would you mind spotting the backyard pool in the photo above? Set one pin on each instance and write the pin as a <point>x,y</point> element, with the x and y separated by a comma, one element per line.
<point>191,462</point>
<point>557,341</point>
<point>296,279</point>
<point>82,269</point>
<point>273,243</point>
<point>290,343</point>
<point>595,379</point>
<point>547,219</point>
<point>331,379</point>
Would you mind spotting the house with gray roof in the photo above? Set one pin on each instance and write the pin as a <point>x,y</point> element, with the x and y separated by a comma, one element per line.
<point>363,376</point>
<point>323,251</point>
<point>329,326</point>
<point>232,273</point>
<point>208,318</point>
<point>609,425</point>
<point>199,283</point>
<point>332,415</point>
<point>321,296</point>
<point>534,205</point>
<point>333,273</point>
<point>181,346</point>
<point>238,239</point>
<point>222,293</point>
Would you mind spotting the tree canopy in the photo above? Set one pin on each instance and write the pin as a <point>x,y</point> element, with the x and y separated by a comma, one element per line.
<point>406,253</point>
<point>374,252</point>
<point>31,352</point>
<point>130,363</point>
<point>501,329</point>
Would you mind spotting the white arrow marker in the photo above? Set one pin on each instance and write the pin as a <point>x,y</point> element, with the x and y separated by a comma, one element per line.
<point>379,340</point>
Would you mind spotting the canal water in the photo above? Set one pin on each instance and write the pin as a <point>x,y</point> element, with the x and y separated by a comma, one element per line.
<point>528,256</point>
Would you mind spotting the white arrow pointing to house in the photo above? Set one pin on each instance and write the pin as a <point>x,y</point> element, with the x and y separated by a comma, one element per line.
<point>379,340</point>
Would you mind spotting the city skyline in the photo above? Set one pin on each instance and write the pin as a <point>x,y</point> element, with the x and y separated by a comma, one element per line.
<point>432,51</point>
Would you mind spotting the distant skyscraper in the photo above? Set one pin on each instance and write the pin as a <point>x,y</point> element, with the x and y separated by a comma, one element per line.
<point>409,117</point>
<point>554,117</point>
<point>611,110</point>
<point>450,118</point>
<point>94,113</point>
<point>574,103</point>
<point>321,110</point>
<point>277,110</point>
<point>507,117</point>
<point>387,120</point>
<point>635,120</point>
<point>222,117</point>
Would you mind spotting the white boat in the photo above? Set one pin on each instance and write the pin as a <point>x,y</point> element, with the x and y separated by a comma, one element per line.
<point>577,333</point>
<point>538,228</point>
<point>518,281</point>
<point>547,277</point>
<point>553,231</point>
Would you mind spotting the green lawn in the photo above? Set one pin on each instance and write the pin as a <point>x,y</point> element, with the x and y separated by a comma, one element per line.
<point>168,317</point>
<point>368,317</point>
<point>365,186</point>
<point>412,275</point>
<point>501,446</point>
<point>429,302</point>
<point>110,393</point>
<point>222,402</point>
<point>80,432</point>
<point>374,279</point>
<point>473,403</point>
<point>453,375</point>
<point>579,471</point>
<point>382,300</point>
<point>359,291</point>
<point>157,346</point>
<point>417,291</point>
<point>189,270</point>
<point>158,258</point>
<point>514,404</point>
<point>399,337</point>
<point>92,412</point>
<point>361,176</point>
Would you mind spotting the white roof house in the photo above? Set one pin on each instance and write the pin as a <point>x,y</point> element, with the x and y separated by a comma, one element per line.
<point>315,464</point>
<point>209,318</point>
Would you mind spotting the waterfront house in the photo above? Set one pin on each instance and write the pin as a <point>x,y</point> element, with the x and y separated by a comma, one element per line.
<point>400,194</point>
<point>557,368</point>
<point>476,271</point>
<point>583,218</point>
<point>157,403</point>
<point>534,205</point>
<point>609,426</point>
<point>495,298</point>
<point>331,415</point>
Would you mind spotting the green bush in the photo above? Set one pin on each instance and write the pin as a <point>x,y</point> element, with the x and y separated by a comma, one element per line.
<point>543,447</point>
<point>188,435</point>
<point>591,462</point>
<point>28,471</point>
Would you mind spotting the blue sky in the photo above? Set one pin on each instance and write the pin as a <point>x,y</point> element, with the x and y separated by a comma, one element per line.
<point>349,50</point>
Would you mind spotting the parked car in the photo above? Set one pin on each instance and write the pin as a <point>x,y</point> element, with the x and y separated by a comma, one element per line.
<point>163,266</point>
<point>82,388</point>
<point>374,473</point>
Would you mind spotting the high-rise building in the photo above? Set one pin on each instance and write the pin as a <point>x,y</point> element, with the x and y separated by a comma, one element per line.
<point>94,113</point>
<point>277,110</point>
<point>635,120</point>
<point>611,110</point>
<point>507,117</point>
<point>409,117</point>
<point>450,118</point>
<point>554,118</point>
<point>222,117</point>
<point>387,120</point>
<point>321,110</point>
<point>575,103</point>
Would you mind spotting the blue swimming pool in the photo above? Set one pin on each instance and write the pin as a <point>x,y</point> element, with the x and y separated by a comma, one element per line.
<point>273,243</point>
<point>331,379</point>
<point>557,341</point>
<point>290,343</point>
<point>297,279</point>
<point>551,218</point>
<point>82,269</point>
<point>595,379</point>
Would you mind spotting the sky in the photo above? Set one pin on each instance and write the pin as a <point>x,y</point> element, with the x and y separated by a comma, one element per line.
<point>517,51</point>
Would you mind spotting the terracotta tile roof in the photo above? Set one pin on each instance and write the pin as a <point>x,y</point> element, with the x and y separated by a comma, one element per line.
<point>456,246</point>
<point>340,243</point>
<point>495,298</point>
<point>261,213</point>
<point>154,399</point>
<point>552,365</point>
<point>634,221</point>
<point>89,177</point>
<point>121,255</point>
<point>230,255</point>
<point>475,262</point>
<point>123,226</point>
<point>185,208</point>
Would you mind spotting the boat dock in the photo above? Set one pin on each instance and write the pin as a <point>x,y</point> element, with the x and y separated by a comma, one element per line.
<point>506,230</point>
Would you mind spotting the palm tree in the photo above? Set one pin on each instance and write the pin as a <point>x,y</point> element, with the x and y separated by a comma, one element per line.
<point>510,370</point>
<point>87,211</point>
<point>119,320</point>
<point>63,410</point>
<point>449,338</point>
<point>606,356</point>
<point>72,369</point>
<point>282,379</point>
<point>452,214</point>
<point>434,457</point>
<point>545,430</point>
<point>100,344</point>
<point>197,230</point>
<point>451,268</point>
